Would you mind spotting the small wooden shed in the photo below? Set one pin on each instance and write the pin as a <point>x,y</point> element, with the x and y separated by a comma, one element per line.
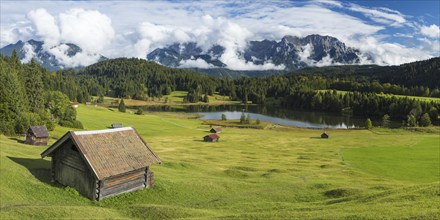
<point>102,163</point>
<point>324,135</point>
<point>117,125</point>
<point>37,135</point>
<point>211,138</point>
<point>74,104</point>
<point>216,130</point>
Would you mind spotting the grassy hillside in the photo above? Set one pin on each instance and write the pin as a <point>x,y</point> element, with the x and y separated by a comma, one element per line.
<point>174,98</point>
<point>419,98</point>
<point>251,173</point>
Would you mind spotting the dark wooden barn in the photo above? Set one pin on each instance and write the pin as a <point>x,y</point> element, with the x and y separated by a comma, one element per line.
<point>216,130</point>
<point>37,135</point>
<point>102,163</point>
<point>117,125</point>
<point>211,138</point>
<point>324,135</point>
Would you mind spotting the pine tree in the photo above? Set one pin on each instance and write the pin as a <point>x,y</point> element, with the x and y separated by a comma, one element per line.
<point>34,87</point>
<point>121,106</point>
<point>224,117</point>
<point>386,121</point>
<point>411,120</point>
<point>242,118</point>
<point>425,120</point>
<point>248,119</point>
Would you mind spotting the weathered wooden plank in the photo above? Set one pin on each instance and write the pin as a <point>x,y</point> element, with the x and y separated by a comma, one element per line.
<point>150,180</point>
<point>120,192</point>
<point>122,187</point>
<point>123,177</point>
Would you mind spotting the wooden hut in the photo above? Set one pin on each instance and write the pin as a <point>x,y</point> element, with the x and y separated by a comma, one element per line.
<point>324,135</point>
<point>216,130</point>
<point>211,138</point>
<point>102,163</point>
<point>117,125</point>
<point>74,104</point>
<point>37,135</point>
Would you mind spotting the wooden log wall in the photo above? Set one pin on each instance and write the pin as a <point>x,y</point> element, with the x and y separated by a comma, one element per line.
<point>126,182</point>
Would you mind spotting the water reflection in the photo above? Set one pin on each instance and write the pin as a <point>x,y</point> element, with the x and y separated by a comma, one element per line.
<point>268,113</point>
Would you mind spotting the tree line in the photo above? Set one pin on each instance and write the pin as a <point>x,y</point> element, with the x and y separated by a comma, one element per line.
<point>25,98</point>
<point>32,95</point>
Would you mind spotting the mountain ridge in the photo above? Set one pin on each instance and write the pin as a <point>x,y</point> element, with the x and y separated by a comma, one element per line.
<point>290,52</point>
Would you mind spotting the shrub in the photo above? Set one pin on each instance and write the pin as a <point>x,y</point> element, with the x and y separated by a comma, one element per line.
<point>121,106</point>
<point>139,111</point>
<point>411,121</point>
<point>386,121</point>
<point>224,117</point>
<point>368,124</point>
<point>425,121</point>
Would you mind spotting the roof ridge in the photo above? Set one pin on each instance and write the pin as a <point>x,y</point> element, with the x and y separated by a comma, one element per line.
<point>102,131</point>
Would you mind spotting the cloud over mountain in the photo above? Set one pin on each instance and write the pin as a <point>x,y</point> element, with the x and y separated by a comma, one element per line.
<point>136,28</point>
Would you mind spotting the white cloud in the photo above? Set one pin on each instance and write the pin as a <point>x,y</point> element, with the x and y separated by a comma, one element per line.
<point>380,15</point>
<point>82,58</point>
<point>45,26</point>
<point>134,28</point>
<point>329,2</point>
<point>89,29</point>
<point>390,53</point>
<point>432,31</point>
<point>197,63</point>
<point>29,53</point>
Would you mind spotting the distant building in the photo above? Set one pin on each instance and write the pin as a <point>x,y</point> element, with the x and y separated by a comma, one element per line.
<point>102,163</point>
<point>117,125</point>
<point>216,130</point>
<point>324,135</point>
<point>74,104</point>
<point>37,135</point>
<point>211,138</point>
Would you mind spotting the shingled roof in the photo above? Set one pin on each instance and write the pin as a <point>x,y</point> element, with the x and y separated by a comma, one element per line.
<point>40,131</point>
<point>109,152</point>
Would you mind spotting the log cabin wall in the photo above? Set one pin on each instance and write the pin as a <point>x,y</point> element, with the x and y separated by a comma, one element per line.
<point>126,182</point>
<point>71,170</point>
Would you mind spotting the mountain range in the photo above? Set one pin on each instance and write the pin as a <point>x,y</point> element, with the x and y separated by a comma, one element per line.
<point>35,49</point>
<point>290,53</point>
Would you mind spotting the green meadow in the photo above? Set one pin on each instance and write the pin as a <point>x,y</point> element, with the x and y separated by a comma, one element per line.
<point>272,173</point>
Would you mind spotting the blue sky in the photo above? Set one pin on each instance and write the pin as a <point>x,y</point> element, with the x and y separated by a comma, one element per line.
<point>392,32</point>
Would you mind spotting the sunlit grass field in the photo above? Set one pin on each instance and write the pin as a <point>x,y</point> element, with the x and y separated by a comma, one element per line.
<point>174,98</point>
<point>419,98</point>
<point>272,173</point>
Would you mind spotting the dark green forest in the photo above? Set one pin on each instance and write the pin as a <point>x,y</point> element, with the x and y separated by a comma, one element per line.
<point>32,95</point>
<point>27,99</point>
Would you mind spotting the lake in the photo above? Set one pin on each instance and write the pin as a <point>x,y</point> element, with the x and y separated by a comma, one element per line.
<point>276,115</point>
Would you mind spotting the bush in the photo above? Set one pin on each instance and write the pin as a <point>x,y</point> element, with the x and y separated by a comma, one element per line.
<point>72,124</point>
<point>77,124</point>
<point>368,124</point>
<point>257,121</point>
<point>425,121</point>
<point>411,121</point>
<point>121,106</point>
<point>139,111</point>
<point>224,117</point>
